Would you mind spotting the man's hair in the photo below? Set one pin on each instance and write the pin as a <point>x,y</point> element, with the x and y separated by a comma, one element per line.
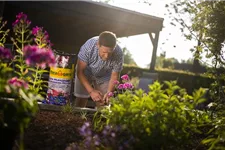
<point>107,39</point>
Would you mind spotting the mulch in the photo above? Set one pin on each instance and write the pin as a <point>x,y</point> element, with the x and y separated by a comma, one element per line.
<point>51,130</point>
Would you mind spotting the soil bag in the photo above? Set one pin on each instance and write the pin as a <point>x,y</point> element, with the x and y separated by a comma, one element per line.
<point>61,79</point>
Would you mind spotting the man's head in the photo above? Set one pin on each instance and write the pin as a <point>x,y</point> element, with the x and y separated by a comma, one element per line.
<point>106,44</point>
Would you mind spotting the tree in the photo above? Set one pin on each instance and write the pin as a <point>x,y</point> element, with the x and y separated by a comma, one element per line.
<point>208,20</point>
<point>128,57</point>
<point>159,60</point>
<point>207,26</point>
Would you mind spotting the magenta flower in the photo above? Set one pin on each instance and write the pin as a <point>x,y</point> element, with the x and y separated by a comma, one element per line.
<point>43,36</point>
<point>21,15</point>
<point>17,83</point>
<point>116,82</point>
<point>125,77</point>
<point>110,94</point>
<point>120,86</point>
<point>21,18</point>
<point>41,57</point>
<point>35,30</point>
<point>5,53</point>
<point>128,86</point>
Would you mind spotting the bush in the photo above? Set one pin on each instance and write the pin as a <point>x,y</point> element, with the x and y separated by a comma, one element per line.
<point>160,119</point>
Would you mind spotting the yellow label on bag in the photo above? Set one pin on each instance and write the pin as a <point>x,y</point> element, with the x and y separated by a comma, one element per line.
<point>61,73</point>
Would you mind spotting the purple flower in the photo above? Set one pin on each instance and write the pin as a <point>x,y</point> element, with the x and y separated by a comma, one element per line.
<point>5,53</point>
<point>17,83</point>
<point>85,129</point>
<point>96,140</point>
<point>125,77</point>
<point>41,57</point>
<point>113,134</point>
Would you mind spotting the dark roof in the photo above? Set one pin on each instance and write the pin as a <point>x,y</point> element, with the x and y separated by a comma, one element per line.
<point>73,22</point>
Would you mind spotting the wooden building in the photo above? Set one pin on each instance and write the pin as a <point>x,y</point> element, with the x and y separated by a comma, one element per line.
<point>71,23</point>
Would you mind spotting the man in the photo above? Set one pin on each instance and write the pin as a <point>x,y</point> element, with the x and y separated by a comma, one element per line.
<point>100,61</point>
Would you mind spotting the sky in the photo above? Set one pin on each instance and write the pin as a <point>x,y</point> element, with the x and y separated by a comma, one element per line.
<point>140,46</point>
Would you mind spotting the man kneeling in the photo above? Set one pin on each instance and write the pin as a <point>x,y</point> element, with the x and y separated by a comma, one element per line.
<point>100,61</point>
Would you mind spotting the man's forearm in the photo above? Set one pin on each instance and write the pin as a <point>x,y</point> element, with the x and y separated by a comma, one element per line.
<point>83,79</point>
<point>111,86</point>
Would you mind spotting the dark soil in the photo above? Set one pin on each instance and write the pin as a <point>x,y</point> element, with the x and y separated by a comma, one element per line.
<point>53,130</point>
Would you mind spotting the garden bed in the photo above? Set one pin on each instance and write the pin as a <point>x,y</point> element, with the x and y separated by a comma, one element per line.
<point>53,130</point>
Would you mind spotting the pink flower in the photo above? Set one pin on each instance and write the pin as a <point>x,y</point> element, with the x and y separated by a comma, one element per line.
<point>110,94</point>
<point>17,83</point>
<point>41,57</point>
<point>128,86</point>
<point>120,86</point>
<point>5,53</point>
<point>125,77</point>
<point>116,82</point>
<point>125,86</point>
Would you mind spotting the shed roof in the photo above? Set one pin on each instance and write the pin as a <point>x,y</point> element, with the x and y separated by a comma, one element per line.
<point>73,22</point>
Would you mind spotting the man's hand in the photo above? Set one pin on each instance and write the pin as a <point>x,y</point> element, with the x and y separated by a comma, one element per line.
<point>106,98</point>
<point>96,95</point>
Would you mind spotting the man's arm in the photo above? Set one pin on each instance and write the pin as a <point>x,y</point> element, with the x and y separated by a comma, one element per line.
<point>111,86</point>
<point>81,76</point>
<point>114,77</point>
<point>95,95</point>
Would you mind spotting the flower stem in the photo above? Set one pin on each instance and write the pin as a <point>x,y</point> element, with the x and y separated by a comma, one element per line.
<point>21,55</point>
<point>36,76</point>
<point>21,146</point>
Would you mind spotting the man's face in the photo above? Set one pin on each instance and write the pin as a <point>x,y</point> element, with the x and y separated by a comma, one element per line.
<point>105,52</point>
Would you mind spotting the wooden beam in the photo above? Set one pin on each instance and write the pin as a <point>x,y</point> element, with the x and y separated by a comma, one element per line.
<point>154,52</point>
<point>151,37</point>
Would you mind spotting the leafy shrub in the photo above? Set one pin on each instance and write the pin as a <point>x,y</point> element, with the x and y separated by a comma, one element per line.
<point>160,119</point>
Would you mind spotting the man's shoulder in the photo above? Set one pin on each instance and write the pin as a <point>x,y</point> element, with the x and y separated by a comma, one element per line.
<point>92,41</point>
<point>118,49</point>
<point>90,44</point>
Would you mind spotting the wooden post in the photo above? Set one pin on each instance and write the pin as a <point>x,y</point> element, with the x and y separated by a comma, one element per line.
<point>154,52</point>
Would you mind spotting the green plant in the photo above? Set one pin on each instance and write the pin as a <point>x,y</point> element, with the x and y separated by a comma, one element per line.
<point>83,114</point>
<point>67,109</point>
<point>23,83</point>
<point>216,135</point>
<point>160,119</point>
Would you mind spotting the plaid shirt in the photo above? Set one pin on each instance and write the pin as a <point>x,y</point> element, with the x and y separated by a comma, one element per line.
<point>97,69</point>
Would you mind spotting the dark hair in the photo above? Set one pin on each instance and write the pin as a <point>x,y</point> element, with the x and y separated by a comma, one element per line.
<point>107,39</point>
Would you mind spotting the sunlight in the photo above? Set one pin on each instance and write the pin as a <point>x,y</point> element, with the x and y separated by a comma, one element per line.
<point>170,39</point>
